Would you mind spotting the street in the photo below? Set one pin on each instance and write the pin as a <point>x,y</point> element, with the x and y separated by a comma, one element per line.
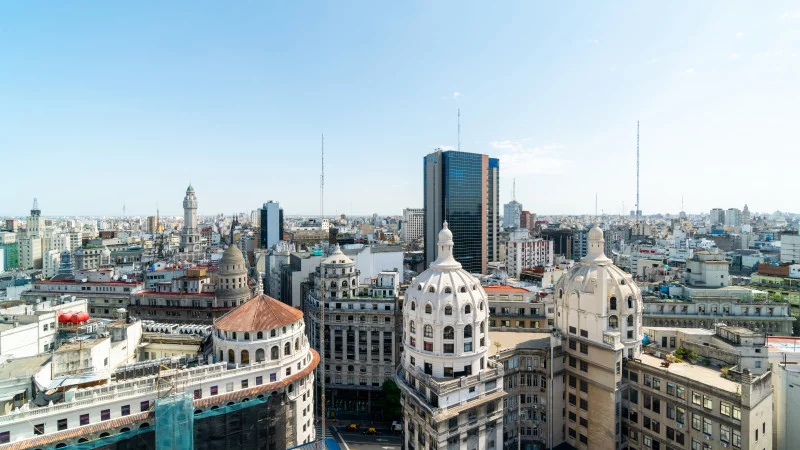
<point>356,440</point>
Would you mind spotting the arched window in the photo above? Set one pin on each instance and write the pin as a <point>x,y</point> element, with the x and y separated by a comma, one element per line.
<point>297,344</point>
<point>245,357</point>
<point>467,309</point>
<point>448,333</point>
<point>344,283</point>
<point>467,331</point>
<point>448,290</point>
<point>274,353</point>
<point>247,336</point>
<point>560,293</point>
<point>412,327</point>
<point>473,287</point>
<point>231,356</point>
<point>462,289</point>
<point>419,287</point>
<point>613,322</point>
<point>428,308</point>
<point>431,289</point>
<point>448,310</point>
<point>612,303</point>
<point>630,302</point>
<point>483,326</point>
<point>428,330</point>
<point>287,349</point>
<point>629,320</point>
<point>333,284</point>
<point>480,306</point>
<point>260,335</point>
<point>260,355</point>
<point>413,306</point>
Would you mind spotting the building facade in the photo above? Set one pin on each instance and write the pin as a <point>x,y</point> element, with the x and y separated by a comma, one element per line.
<point>528,253</point>
<point>512,214</point>
<point>518,309</point>
<point>271,226</point>
<point>452,392</point>
<point>463,189</point>
<point>362,326</point>
<point>190,246</point>
<point>413,222</point>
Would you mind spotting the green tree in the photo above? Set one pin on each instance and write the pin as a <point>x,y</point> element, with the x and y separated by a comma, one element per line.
<point>391,401</point>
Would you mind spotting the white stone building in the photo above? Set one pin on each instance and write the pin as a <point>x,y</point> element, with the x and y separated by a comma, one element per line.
<point>524,254</point>
<point>190,236</point>
<point>452,391</point>
<point>413,219</point>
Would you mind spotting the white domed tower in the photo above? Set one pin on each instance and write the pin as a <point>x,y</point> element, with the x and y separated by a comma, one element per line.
<point>233,287</point>
<point>599,322</point>
<point>190,236</point>
<point>446,358</point>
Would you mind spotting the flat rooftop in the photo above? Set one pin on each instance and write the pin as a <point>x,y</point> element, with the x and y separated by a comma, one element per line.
<point>22,367</point>
<point>79,344</point>
<point>507,289</point>
<point>702,374</point>
<point>510,340</point>
<point>696,331</point>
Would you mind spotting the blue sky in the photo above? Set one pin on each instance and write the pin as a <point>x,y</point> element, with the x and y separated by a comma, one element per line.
<point>103,103</point>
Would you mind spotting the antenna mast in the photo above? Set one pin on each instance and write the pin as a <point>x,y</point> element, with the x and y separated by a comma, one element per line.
<point>638,208</point>
<point>459,129</point>
<point>322,304</point>
<point>514,190</point>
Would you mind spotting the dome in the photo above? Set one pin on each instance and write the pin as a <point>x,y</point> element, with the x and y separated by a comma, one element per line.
<point>260,313</point>
<point>190,188</point>
<point>445,317</point>
<point>337,257</point>
<point>232,257</point>
<point>596,232</point>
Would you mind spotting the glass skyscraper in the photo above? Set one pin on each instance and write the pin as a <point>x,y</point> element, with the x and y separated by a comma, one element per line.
<point>463,189</point>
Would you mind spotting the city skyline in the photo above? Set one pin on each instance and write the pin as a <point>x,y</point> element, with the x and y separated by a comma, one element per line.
<point>104,102</point>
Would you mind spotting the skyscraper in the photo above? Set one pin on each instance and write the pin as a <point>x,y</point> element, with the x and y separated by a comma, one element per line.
<point>271,224</point>
<point>463,189</point>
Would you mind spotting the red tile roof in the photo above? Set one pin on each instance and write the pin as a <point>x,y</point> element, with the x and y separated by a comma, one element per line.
<point>259,313</point>
<point>508,289</point>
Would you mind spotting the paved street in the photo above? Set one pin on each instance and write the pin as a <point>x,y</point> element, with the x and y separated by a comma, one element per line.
<point>358,441</point>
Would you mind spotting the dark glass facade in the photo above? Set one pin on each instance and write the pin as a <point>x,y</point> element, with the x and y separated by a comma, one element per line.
<point>461,188</point>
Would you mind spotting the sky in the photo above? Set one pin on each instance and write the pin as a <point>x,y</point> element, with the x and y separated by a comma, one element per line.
<point>111,103</point>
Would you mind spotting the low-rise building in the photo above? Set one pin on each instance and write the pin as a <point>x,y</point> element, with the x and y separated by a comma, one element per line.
<point>515,308</point>
<point>707,269</point>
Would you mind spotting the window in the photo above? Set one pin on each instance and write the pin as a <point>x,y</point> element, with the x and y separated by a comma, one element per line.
<point>467,346</point>
<point>572,399</point>
<point>670,388</point>
<point>259,380</point>
<point>448,333</point>
<point>62,425</point>
<point>647,441</point>
<point>737,438</point>
<point>448,310</point>
<point>428,308</point>
<point>105,414</point>
<point>725,433</point>
<point>613,322</point>
<point>737,413</point>
<point>38,429</point>
<point>697,422</point>
<point>414,304</point>
<point>680,392</point>
<point>707,403</point>
<point>428,331</point>
<point>412,327</point>
<point>572,381</point>
<point>696,398</point>
<point>84,419</point>
<point>584,404</point>
<point>144,406</point>
<point>428,346</point>
<point>573,345</point>
<point>214,389</point>
<point>584,366</point>
<point>467,309</point>
<point>467,331</point>
<point>708,427</point>
<point>680,415</point>
<point>584,348</point>
<point>449,348</point>
<point>725,409</point>
<point>572,416</point>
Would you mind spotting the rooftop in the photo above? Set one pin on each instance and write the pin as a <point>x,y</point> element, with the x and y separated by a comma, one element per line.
<point>18,367</point>
<point>702,374</point>
<point>259,313</point>
<point>79,344</point>
<point>507,289</point>
<point>509,340</point>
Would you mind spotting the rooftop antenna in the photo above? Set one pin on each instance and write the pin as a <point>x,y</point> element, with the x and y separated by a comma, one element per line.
<point>514,190</point>
<point>595,206</point>
<point>638,210</point>
<point>123,209</point>
<point>321,365</point>
<point>459,129</point>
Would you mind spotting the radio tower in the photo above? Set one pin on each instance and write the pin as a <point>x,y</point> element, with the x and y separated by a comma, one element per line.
<point>321,371</point>
<point>638,210</point>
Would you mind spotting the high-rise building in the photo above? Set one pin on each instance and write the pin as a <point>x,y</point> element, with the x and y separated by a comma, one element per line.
<point>746,215</point>
<point>526,253</point>
<point>152,224</point>
<point>453,391</point>
<point>512,214</point>
<point>463,189</point>
<point>733,217</point>
<point>271,215</point>
<point>413,221</point>
<point>8,242</point>
<point>717,216</point>
<point>190,236</point>
<point>527,220</point>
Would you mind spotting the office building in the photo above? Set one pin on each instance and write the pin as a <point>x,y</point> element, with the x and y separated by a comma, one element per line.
<point>152,224</point>
<point>363,324</point>
<point>790,248</point>
<point>271,227</point>
<point>733,217</point>
<point>413,222</point>
<point>446,360</point>
<point>512,214</point>
<point>717,216</point>
<point>463,189</point>
<point>527,253</point>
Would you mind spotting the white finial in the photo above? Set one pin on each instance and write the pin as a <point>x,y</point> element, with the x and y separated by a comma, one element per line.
<point>445,258</point>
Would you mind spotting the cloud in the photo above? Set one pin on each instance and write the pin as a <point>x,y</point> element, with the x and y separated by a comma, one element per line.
<point>516,158</point>
<point>739,34</point>
<point>456,95</point>
<point>791,15</point>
